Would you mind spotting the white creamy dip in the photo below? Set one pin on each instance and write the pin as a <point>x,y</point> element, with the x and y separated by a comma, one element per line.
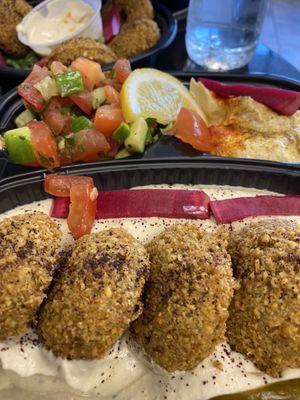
<point>55,22</point>
<point>31,372</point>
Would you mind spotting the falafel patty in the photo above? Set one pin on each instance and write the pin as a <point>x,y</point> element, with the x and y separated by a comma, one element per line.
<point>82,47</point>
<point>264,322</point>
<point>96,295</point>
<point>28,246</point>
<point>11,14</point>
<point>186,297</point>
<point>135,9</point>
<point>135,36</point>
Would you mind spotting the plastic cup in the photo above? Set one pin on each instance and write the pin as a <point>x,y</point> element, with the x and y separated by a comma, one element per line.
<point>91,29</point>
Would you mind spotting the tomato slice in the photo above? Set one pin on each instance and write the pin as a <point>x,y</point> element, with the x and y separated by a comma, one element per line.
<point>112,95</point>
<point>83,100</point>
<point>43,144</point>
<point>83,209</point>
<point>90,71</point>
<point>83,195</point>
<point>108,118</point>
<point>191,129</point>
<point>122,68</point>
<point>58,68</point>
<point>60,185</point>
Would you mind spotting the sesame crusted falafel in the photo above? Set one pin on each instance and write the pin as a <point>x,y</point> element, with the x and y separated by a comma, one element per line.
<point>82,47</point>
<point>264,322</point>
<point>186,298</point>
<point>135,36</point>
<point>11,14</point>
<point>28,246</point>
<point>95,296</point>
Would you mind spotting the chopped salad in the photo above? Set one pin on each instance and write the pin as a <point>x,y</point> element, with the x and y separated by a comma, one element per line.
<point>74,115</point>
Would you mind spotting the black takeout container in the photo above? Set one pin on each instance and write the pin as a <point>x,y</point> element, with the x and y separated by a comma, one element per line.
<point>168,28</point>
<point>11,105</point>
<point>26,188</point>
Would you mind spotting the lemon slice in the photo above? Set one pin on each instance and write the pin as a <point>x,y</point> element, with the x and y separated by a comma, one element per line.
<point>150,93</point>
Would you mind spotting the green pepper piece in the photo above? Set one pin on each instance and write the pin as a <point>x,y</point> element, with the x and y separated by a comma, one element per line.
<point>69,82</point>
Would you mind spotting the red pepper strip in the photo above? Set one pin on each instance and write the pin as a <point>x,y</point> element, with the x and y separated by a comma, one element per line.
<point>111,23</point>
<point>189,204</point>
<point>285,102</point>
<point>230,210</point>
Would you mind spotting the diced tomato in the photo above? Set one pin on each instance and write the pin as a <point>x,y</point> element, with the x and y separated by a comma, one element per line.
<point>57,121</point>
<point>60,185</point>
<point>112,95</point>
<point>83,195</point>
<point>90,71</point>
<point>83,209</point>
<point>44,144</point>
<point>83,100</point>
<point>58,68</point>
<point>191,129</point>
<point>37,74</point>
<point>31,95</point>
<point>42,62</point>
<point>27,90</point>
<point>111,82</point>
<point>114,148</point>
<point>87,145</point>
<point>122,68</point>
<point>108,118</point>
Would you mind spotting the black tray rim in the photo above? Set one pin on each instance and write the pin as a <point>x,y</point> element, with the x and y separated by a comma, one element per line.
<point>168,164</point>
<point>165,40</point>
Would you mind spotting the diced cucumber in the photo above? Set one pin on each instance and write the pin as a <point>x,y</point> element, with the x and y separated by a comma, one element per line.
<point>122,154</point>
<point>98,97</point>
<point>121,133</point>
<point>81,123</point>
<point>18,145</point>
<point>149,138</point>
<point>23,118</point>
<point>136,141</point>
<point>69,82</point>
<point>167,128</point>
<point>47,87</point>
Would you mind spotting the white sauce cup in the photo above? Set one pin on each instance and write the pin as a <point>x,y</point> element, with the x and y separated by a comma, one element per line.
<point>91,29</point>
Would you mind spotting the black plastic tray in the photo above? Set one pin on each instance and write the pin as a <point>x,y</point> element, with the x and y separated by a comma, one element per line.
<point>11,105</point>
<point>168,28</point>
<point>26,188</point>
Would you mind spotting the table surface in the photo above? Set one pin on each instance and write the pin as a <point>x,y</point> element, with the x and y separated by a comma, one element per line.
<point>264,61</point>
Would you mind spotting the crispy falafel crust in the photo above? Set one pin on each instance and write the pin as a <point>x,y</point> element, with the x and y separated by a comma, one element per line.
<point>135,9</point>
<point>135,36</point>
<point>186,298</point>
<point>82,47</point>
<point>95,296</point>
<point>264,322</point>
<point>28,246</point>
<point>11,14</point>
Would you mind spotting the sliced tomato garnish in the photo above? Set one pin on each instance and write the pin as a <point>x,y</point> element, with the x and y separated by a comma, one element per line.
<point>60,185</point>
<point>108,118</point>
<point>191,129</point>
<point>83,196</point>
<point>90,71</point>
<point>112,95</point>
<point>83,100</point>
<point>122,68</point>
<point>43,144</point>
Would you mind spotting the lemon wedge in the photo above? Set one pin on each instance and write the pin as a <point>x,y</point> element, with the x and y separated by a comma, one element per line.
<point>150,93</point>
